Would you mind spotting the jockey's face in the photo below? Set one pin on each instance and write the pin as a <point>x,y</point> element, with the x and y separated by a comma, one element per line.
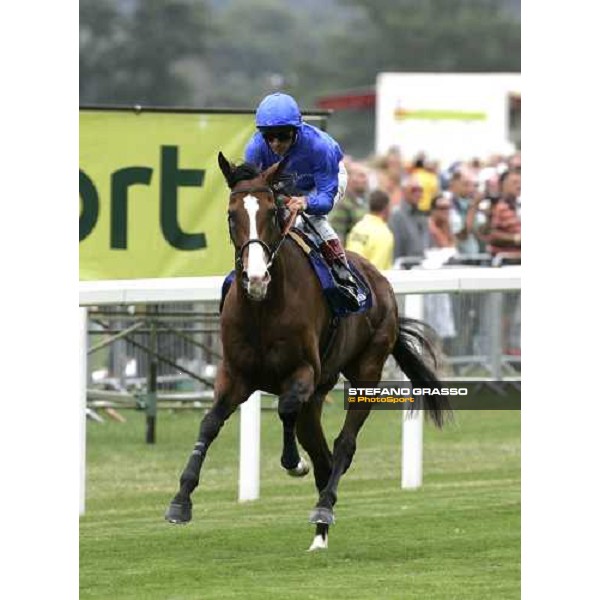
<point>279,139</point>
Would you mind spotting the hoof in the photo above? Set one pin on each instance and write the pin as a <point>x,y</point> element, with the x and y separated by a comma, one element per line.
<point>301,470</point>
<point>322,515</point>
<point>179,513</point>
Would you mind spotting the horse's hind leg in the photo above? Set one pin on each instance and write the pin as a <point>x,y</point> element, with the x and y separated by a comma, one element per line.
<point>311,437</point>
<point>297,390</point>
<point>229,394</point>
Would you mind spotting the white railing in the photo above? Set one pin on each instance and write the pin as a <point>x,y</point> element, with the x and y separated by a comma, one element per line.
<point>198,289</point>
<point>203,289</point>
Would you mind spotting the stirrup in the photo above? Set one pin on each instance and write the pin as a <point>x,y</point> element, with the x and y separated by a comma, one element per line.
<point>344,275</point>
<point>352,297</point>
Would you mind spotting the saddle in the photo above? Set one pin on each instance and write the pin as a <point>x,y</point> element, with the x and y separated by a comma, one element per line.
<point>335,294</point>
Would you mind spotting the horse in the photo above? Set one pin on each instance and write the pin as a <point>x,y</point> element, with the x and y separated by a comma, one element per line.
<point>277,337</point>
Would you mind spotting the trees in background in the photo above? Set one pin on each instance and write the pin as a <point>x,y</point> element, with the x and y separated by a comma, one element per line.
<point>186,52</point>
<point>133,52</point>
<point>433,35</point>
<point>415,36</point>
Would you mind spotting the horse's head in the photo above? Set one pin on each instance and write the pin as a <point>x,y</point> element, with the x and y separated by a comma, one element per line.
<point>253,222</point>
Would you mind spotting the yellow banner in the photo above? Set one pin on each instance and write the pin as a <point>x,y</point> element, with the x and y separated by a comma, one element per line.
<point>152,199</point>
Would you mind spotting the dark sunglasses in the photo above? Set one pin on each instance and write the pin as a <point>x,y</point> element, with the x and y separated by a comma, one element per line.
<point>282,136</point>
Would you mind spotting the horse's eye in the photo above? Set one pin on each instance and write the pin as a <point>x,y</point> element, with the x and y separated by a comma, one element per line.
<point>231,220</point>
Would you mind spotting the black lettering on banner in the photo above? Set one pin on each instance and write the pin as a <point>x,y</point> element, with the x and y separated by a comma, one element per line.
<point>121,181</point>
<point>88,217</point>
<point>172,178</point>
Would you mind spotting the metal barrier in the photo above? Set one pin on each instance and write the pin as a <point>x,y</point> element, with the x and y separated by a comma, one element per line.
<point>479,335</point>
<point>201,296</point>
<point>187,339</point>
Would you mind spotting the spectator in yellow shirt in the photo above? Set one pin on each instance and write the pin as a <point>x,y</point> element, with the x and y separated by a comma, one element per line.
<point>371,237</point>
<point>428,180</point>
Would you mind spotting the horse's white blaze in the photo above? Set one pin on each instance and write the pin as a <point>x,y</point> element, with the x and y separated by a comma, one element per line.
<point>318,543</point>
<point>257,265</point>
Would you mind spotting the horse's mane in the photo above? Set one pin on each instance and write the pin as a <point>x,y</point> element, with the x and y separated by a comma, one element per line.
<point>243,172</point>
<point>247,171</point>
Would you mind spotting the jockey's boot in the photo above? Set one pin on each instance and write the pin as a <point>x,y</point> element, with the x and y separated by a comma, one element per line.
<point>334,254</point>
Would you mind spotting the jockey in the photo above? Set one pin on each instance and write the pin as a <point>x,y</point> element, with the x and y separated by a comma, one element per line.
<point>314,174</point>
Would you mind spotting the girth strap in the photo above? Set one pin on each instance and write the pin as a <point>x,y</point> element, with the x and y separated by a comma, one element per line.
<point>333,326</point>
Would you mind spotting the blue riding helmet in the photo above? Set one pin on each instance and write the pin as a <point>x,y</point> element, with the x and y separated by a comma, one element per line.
<point>278,110</point>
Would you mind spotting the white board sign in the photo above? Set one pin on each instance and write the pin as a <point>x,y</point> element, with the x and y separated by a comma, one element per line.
<point>448,116</point>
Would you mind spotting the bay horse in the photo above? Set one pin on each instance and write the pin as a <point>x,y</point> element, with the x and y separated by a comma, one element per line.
<point>277,337</point>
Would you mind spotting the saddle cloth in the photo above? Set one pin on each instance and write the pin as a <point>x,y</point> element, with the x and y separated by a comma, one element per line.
<point>335,298</point>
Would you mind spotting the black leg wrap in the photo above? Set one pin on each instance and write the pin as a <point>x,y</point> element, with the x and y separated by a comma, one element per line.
<point>191,474</point>
<point>322,515</point>
<point>180,509</point>
<point>179,513</point>
<point>210,427</point>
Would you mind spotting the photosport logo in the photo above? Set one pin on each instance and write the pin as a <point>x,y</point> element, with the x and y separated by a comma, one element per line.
<point>461,395</point>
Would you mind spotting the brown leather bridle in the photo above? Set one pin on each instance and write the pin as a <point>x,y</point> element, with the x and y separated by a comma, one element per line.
<point>270,252</point>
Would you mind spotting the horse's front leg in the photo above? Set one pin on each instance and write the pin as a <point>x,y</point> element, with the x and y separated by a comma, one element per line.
<point>297,389</point>
<point>230,392</point>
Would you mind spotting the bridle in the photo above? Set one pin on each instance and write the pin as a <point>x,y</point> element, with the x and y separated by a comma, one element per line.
<point>271,252</point>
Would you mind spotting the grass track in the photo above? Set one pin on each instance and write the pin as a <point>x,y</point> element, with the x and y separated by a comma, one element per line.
<point>457,538</point>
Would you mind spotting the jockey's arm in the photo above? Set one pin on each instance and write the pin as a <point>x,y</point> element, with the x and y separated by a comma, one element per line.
<point>325,173</point>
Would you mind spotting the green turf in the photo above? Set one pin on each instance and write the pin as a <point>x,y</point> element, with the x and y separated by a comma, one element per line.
<point>457,538</point>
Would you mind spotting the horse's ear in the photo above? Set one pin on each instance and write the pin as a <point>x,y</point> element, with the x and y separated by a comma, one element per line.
<point>225,167</point>
<point>273,172</point>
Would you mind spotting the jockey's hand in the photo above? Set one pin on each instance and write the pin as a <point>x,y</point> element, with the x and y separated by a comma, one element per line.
<point>297,203</point>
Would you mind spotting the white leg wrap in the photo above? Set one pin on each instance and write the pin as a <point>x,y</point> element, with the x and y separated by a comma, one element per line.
<point>319,543</point>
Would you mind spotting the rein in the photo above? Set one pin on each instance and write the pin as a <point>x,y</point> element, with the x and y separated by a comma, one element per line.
<point>271,252</point>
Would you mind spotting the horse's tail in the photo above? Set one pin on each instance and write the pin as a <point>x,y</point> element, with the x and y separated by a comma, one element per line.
<point>413,334</point>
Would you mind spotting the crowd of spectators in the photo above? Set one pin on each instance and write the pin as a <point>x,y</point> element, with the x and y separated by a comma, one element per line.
<point>470,209</point>
<point>406,213</point>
